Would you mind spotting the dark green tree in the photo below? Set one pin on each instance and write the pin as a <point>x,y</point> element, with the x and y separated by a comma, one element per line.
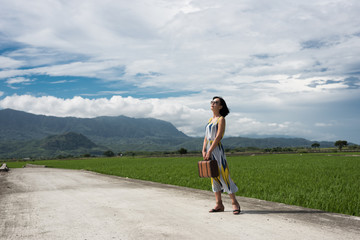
<point>315,145</point>
<point>182,151</point>
<point>354,147</point>
<point>109,153</point>
<point>340,144</point>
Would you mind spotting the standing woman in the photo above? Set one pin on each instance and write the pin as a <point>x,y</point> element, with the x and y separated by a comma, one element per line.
<point>213,149</point>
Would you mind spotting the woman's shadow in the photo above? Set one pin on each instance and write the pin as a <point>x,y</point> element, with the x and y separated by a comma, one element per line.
<point>281,211</point>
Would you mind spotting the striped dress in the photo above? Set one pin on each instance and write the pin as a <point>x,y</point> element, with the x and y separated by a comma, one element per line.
<point>223,183</point>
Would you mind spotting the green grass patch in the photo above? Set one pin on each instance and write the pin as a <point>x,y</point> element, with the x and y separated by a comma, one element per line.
<point>326,182</point>
<point>329,183</point>
<point>14,164</point>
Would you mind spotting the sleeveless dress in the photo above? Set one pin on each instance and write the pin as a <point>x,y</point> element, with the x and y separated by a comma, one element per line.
<point>224,181</point>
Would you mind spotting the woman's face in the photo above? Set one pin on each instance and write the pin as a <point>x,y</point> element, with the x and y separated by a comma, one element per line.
<point>215,105</point>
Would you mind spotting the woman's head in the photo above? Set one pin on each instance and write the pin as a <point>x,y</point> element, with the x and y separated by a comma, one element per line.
<point>224,110</point>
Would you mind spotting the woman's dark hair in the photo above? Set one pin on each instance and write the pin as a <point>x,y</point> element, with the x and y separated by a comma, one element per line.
<point>224,111</point>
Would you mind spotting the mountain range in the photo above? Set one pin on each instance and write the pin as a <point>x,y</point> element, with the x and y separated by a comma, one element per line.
<point>24,134</point>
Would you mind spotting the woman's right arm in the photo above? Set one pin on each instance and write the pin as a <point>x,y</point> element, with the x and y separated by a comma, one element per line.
<point>204,148</point>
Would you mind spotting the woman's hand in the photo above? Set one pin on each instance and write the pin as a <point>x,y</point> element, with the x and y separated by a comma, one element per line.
<point>204,148</point>
<point>207,156</point>
<point>204,154</point>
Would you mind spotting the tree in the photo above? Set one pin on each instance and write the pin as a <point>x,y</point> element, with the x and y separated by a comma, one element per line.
<point>340,144</point>
<point>354,147</point>
<point>315,145</point>
<point>182,151</point>
<point>109,153</point>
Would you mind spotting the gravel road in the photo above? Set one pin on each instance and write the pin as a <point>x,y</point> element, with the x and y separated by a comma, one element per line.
<point>45,203</point>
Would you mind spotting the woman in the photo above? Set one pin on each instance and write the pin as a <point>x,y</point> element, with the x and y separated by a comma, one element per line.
<point>213,149</point>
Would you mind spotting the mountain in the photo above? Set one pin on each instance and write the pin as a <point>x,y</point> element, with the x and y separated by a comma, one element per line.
<point>243,142</point>
<point>116,133</point>
<point>67,141</point>
<point>271,142</point>
<point>18,125</point>
<point>52,146</point>
<point>25,134</point>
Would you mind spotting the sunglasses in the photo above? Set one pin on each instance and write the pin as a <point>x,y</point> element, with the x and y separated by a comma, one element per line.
<point>214,102</point>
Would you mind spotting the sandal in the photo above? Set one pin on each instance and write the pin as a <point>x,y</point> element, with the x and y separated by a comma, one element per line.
<point>237,211</point>
<point>219,208</point>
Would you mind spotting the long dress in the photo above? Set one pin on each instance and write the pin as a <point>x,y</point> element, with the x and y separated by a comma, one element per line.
<point>224,181</point>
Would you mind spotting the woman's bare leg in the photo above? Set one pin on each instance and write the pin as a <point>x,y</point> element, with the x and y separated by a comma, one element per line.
<point>219,205</point>
<point>235,203</point>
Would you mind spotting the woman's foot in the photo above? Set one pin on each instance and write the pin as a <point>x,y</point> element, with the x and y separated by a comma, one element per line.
<point>237,209</point>
<point>218,208</point>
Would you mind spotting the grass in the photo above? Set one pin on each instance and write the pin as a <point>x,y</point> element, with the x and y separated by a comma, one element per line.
<point>326,182</point>
<point>329,183</point>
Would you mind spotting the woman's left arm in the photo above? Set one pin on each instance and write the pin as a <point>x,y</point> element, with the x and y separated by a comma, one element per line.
<point>219,135</point>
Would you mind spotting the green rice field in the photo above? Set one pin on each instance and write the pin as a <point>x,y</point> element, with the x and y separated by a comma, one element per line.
<point>320,181</point>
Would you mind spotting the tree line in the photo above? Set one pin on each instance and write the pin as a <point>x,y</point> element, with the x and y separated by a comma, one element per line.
<point>340,144</point>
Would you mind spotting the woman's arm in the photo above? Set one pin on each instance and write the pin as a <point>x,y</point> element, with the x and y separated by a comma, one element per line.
<point>204,148</point>
<point>219,135</point>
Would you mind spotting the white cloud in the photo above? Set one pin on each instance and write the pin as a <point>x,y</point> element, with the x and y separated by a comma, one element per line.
<point>61,81</point>
<point>191,44</point>
<point>9,63</point>
<point>210,37</point>
<point>185,118</point>
<point>324,124</point>
<point>187,114</point>
<point>274,61</point>
<point>18,80</point>
<point>241,126</point>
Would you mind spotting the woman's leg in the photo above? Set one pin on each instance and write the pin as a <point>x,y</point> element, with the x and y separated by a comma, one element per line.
<point>218,198</point>
<point>219,205</point>
<point>235,203</point>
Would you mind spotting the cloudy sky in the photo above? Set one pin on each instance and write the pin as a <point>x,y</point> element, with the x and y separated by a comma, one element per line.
<point>288,68</point>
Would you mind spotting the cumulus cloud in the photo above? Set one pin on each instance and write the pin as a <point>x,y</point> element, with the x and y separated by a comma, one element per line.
<point>185,118</point>
<point>241,126</point>
<point>188,117</point>
<point>183,41</point>
<point>274,61</point>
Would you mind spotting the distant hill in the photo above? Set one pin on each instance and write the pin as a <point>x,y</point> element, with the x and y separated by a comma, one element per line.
<point>271,142</point>
<point>67,141</point>
<point>52,146</point>
<point>18,125</point>
<point>116,133</point>
<point>24,134</point>
<point>243,142</point>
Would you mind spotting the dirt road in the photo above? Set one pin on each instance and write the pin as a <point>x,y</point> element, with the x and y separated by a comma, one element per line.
<point>44,203</point>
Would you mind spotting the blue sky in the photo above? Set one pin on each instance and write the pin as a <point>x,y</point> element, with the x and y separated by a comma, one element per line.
<point>284,67</point>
